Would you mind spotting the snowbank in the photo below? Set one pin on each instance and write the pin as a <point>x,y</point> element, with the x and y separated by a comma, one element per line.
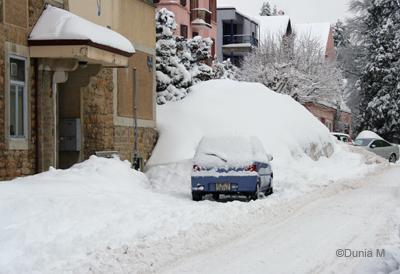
<point>224,107</point>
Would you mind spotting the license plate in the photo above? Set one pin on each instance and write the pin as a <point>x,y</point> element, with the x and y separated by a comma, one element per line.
<point>223,187</point>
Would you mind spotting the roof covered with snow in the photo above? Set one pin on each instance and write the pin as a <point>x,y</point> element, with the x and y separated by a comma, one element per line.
<point>314,31</point>
<point>59,26</point>
<point>273,25</point>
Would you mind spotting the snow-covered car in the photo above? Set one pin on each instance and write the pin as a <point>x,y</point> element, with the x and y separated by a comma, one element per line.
<point>380,147</point>
<point>231,166</point>
<point>343,137</point>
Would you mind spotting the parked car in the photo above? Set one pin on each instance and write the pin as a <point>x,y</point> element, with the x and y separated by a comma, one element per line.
<point>380,147</point>
<point>231,166</point>
<point>343,137</point>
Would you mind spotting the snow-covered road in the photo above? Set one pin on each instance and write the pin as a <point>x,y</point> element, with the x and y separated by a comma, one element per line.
<point>303,236</point>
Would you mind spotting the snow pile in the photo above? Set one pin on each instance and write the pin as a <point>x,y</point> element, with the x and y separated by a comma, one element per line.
<point>229,152</point>
<point>59,24</point>
<point>52,220</point>
<point>366,134</point>
<point>224,107</point>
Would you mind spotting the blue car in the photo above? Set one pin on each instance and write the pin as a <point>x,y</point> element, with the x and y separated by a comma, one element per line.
<point>231,166</point>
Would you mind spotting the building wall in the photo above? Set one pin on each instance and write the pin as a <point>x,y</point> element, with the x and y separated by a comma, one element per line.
<point>182,17</point>
<point>330,48</point>
<point>16,21</point>
<point>102,128</point>
<point>108,115</point>
<point>327,116</point>
<point>324,114</point>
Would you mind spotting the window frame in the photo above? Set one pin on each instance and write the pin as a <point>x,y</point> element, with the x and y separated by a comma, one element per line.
<point>17,85</point>
<point>17,51</point>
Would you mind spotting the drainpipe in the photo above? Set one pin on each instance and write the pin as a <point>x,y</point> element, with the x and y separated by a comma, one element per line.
<point>37,116</point>
<point>58,78</point>
<point>135,163</point>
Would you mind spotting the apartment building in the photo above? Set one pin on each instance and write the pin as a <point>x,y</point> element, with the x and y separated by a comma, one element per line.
<point>194,18</point>
<point>75,78</point>
<point>238,34</point>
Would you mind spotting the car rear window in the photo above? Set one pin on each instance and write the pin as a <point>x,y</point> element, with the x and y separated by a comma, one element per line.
<point>229,151</point>
<point>362,142</point>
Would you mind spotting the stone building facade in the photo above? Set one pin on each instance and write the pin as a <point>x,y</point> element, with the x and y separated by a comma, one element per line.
<point>88,92</point>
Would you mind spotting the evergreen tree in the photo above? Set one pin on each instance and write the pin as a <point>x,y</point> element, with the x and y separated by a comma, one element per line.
<point>172,76</point>
<point>275,11</point>
<point>340,35</point>
<point>379,83</point>
<point>200,51</point>
<point>225,70</point>
<point>266,9</point>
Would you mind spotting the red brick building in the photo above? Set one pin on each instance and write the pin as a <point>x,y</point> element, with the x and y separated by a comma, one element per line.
<point>193,18</point>
<point>334,120</point>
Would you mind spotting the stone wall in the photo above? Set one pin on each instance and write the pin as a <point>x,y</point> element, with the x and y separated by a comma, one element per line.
<point>124,142</point>
<point>99,131</point>
<point>15,163</point>
<point>98,126</point>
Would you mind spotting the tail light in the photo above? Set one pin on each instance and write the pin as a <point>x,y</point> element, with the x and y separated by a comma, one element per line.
<point>251,168</point>
<point>196,168</point>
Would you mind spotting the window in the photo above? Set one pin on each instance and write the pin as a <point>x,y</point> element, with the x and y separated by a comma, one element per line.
<point>381,143</point>
<point>184,31</point>
<point>183,3</point>
<point>194,4</point>
<point>17,97</point>
<point>194,34</point>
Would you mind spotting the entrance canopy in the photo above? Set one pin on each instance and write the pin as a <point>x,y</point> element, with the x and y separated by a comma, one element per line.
<point>62,34</point>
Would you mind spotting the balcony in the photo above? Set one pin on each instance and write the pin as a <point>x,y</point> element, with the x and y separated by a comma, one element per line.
<point>240,39</point>
<point>199,16</point>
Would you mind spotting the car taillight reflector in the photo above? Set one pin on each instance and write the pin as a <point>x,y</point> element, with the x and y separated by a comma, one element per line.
<point>251,168</point>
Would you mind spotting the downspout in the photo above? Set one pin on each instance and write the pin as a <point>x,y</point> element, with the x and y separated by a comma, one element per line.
<point>37,116</point>
<point>135,123</point>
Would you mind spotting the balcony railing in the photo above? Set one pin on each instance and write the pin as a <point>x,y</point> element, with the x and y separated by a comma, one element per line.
<point>199,14</point>
<point>240,39</point>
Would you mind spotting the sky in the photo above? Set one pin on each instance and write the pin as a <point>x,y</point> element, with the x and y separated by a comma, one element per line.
<point>300,11</point>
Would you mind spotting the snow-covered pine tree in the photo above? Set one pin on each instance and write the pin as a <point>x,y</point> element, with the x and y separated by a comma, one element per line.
<point>200,50</point>
<point>225,70</point>
<point>380,80</point>
<point>265,9</point>
<point>275,11</point>
<point>340,35</point>
<point>172,76</point>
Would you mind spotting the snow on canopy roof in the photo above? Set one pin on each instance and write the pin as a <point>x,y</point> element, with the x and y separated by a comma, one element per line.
<point>315,31</point>
<point>58,24</point>
<point>273,25</point>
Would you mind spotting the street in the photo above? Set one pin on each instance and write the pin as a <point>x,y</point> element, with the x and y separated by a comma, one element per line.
<point>303,237</point>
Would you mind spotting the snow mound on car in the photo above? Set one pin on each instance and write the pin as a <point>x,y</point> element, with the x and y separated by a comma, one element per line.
<point>367,134</point>
<point>229,151</point>
<point>230,108</point>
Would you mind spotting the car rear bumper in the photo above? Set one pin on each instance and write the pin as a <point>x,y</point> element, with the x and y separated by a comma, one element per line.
<point>238,184</point>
